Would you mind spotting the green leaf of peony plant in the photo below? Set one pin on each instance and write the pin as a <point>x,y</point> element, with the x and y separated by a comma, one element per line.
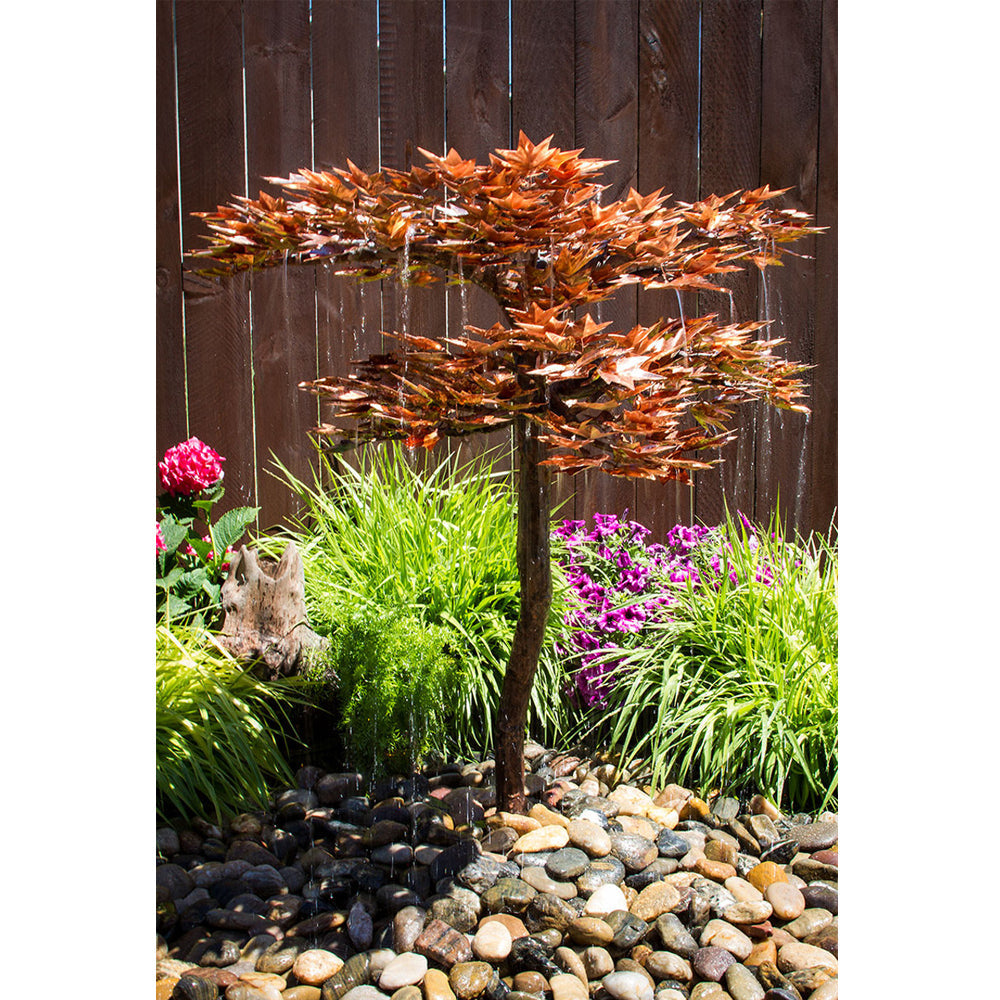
<point>190,566</point>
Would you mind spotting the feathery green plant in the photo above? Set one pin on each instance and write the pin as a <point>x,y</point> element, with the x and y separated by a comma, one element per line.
<point>215,723</point>
<point>434,539</point>
<point>738,687</point>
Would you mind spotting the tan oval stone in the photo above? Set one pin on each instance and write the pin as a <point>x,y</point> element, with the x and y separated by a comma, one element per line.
<point>407,969</point>
<point>804,956</point>
<point>590,931</point>
<point>492,942</point>
<point>598,962</point>
<point>690,860</point>
<point>436,986</point>
<point>762,951</point>
<point>639,825</point>
<point>547,816</point>
<point>571,962</point>
<point>513,924</point>
<point>765,874</point>
<point>518,823</point>
<point>709,991</point>
<point>742,890</point>
<point>544,838</point>
<point>719,850</point>
<point>264,980</point>
<point>630,801</point>
<point>589,837</point>
<point>696,809</point>
<point>759,806</point>
<point>316,966</point>
<point>567,987</point>
<point>828,991</point>
<point>660,897</point>
<point>667,965</point>
<point>717,870</point>
<point>754,912</point>
<point>787,901</point>
<point>808,922</point>
<point>722,934</point>
<point>315,993</point>
<point>530,981</point>
<point>664,817</point>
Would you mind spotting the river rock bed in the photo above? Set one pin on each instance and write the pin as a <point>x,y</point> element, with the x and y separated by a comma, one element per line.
<point>418,889</point>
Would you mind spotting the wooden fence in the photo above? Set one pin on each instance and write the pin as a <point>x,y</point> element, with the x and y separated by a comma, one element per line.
<point>692,96</point>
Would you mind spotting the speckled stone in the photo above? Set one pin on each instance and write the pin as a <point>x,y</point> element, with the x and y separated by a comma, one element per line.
<point>655,900</point>
<point>722,934</point>
<point>469,979</point>
<point>547,911</point>
<point>711,962</point>
<point>510,895</point>
<point>814,836</point>
<point>606,871</point>
<point>742,984</point>
<point>675,936</point>
<point>633,851</point>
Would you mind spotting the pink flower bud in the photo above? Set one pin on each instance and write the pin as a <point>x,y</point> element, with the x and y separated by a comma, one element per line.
<point>161,545</point>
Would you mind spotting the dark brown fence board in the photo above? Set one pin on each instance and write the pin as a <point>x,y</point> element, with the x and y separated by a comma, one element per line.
<point>411,108</point>
<point>730,159</point>
<point>283,324</point>
<point>792,43</point>
<point>543,103</point>
<point>345,126</point>
<point>477,109</point>
<point>668,159</point>
<point>823,421</point>
<point>607,115</point>
<point>210,112</point>
<point>171,407</point>
<point>543,70</point>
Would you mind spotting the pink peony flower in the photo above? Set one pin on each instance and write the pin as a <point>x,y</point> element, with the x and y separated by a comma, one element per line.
<point>160,543</point>
<point>190,467</point>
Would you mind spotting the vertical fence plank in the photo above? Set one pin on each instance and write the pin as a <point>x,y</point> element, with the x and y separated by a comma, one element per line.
<point>345,126</point>
<point>411,109</point>
<point>823,421</point>
<point>279,141</point>
<point>543,103</point>
<point>478,122</point>
<point>210,112</point>
<point>790,86</point>
<point>730,159</point>
<point>171,407</point>
<point>607,113</point>
<point>668,159</point>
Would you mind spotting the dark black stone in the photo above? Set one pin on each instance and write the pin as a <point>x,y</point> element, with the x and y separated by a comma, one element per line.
<point>195,988</point>
<point>781,852</point>
<point>670,845</point>
<point>653,872</point>
<point>528,954</point>
<point>398,814</point>
<point>213,850</point>
<point>771,979</point>
<point>606,871</point>
<point>628,929</point>
<point>226,889</point>
<point>566,864</point>
<point>454,858</point>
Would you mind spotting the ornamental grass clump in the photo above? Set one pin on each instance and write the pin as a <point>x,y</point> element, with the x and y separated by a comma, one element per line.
<point>216,752</point>
<point>435,540</point>
<point>735,687</point>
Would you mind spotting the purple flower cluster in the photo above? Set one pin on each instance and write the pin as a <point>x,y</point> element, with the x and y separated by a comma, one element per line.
<point>620,581</point>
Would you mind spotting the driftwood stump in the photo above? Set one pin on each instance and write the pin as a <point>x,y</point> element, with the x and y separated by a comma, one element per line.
<point>266,613</point>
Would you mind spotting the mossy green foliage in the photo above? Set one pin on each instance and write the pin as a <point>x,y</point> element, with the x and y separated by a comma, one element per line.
<point>215,724</point>
<point>736,688</point>
<point>396,678</point>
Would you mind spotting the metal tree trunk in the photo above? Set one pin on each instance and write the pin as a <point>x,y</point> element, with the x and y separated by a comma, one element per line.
<point>535,573</point>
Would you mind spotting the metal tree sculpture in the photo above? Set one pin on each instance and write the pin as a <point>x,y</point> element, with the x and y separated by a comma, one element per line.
<point>529,229</point>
